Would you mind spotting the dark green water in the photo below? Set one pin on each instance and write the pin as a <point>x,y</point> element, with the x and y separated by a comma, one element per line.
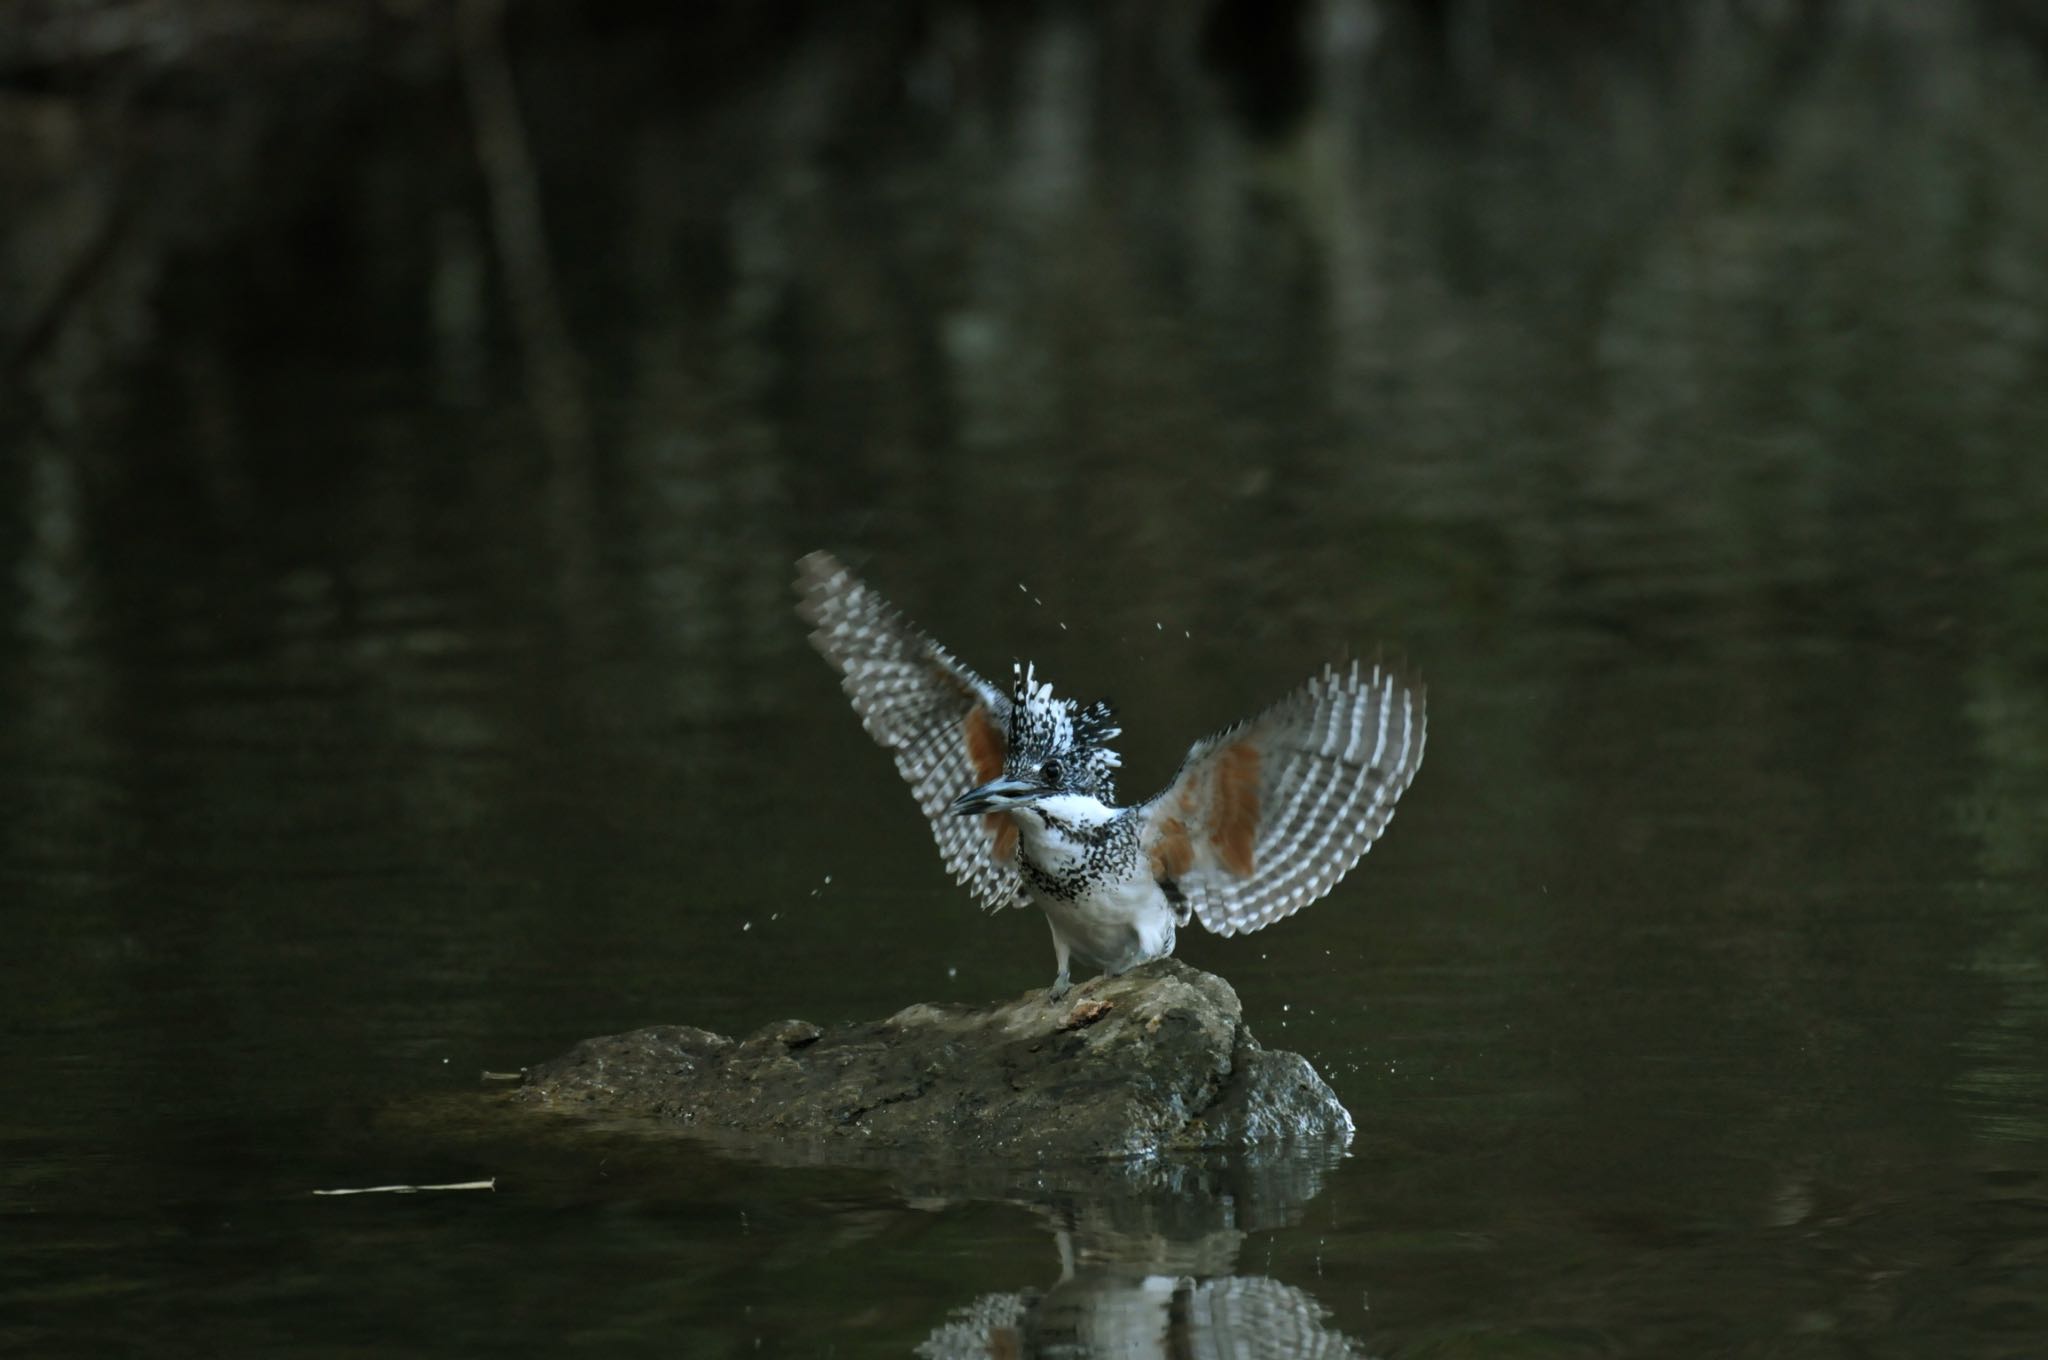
<point>398,683</point>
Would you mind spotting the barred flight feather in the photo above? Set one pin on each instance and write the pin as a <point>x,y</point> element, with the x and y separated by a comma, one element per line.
<point>1265,817</point>
<point>944,724</point>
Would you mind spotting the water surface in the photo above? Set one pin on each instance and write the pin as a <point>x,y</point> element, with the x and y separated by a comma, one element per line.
<point>399,680</point>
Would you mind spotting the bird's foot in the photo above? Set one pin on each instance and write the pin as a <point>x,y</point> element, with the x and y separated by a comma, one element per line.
<point>1061,985</point>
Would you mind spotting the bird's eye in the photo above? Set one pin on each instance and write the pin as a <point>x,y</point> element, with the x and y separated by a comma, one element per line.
<point>1050,772</point>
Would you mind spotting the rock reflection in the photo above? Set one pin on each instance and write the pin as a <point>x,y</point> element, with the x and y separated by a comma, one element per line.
<point>1156,1274</point>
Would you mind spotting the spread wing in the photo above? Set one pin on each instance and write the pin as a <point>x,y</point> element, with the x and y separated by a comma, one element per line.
<point>946,726</point>
<point>1265,817</point>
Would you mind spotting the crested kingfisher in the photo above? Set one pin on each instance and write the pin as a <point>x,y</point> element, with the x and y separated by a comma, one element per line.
<point>1262,818</point>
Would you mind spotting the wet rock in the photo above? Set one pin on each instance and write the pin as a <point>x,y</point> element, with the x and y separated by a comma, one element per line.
<point>1156,1061</point>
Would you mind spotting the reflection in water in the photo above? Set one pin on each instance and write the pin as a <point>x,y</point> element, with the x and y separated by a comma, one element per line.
<point>1153,1271</point>
<point>1122,1311</point>
<point>58,700</point>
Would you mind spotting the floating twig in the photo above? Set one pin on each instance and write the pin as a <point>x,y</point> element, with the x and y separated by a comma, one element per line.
<point>491,1184</point>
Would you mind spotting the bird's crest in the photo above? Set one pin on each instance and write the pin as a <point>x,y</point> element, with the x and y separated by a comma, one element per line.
<point>1043,727</point>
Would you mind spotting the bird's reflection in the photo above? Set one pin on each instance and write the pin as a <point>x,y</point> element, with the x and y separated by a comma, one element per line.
<point>1126,1311</point>
<point>1154,1275</point>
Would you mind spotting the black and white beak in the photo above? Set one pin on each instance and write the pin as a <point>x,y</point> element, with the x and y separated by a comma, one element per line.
<point>996,795</point>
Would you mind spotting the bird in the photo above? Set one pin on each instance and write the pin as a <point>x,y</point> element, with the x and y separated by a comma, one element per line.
<point>1261,819</point>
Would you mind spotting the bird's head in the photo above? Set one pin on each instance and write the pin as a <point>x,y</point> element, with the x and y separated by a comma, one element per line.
<point>1053,746</point>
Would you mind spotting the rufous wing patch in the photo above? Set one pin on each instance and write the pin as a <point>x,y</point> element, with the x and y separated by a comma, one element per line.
<point>1171,852</point>
<point>1234,806</point>
<point>984,744</point>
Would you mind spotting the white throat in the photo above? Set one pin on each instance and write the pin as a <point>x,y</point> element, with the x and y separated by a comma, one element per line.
<point>1054,828</point>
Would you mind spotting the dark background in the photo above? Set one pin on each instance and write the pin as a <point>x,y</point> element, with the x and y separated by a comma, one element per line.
<point>410,415</point>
